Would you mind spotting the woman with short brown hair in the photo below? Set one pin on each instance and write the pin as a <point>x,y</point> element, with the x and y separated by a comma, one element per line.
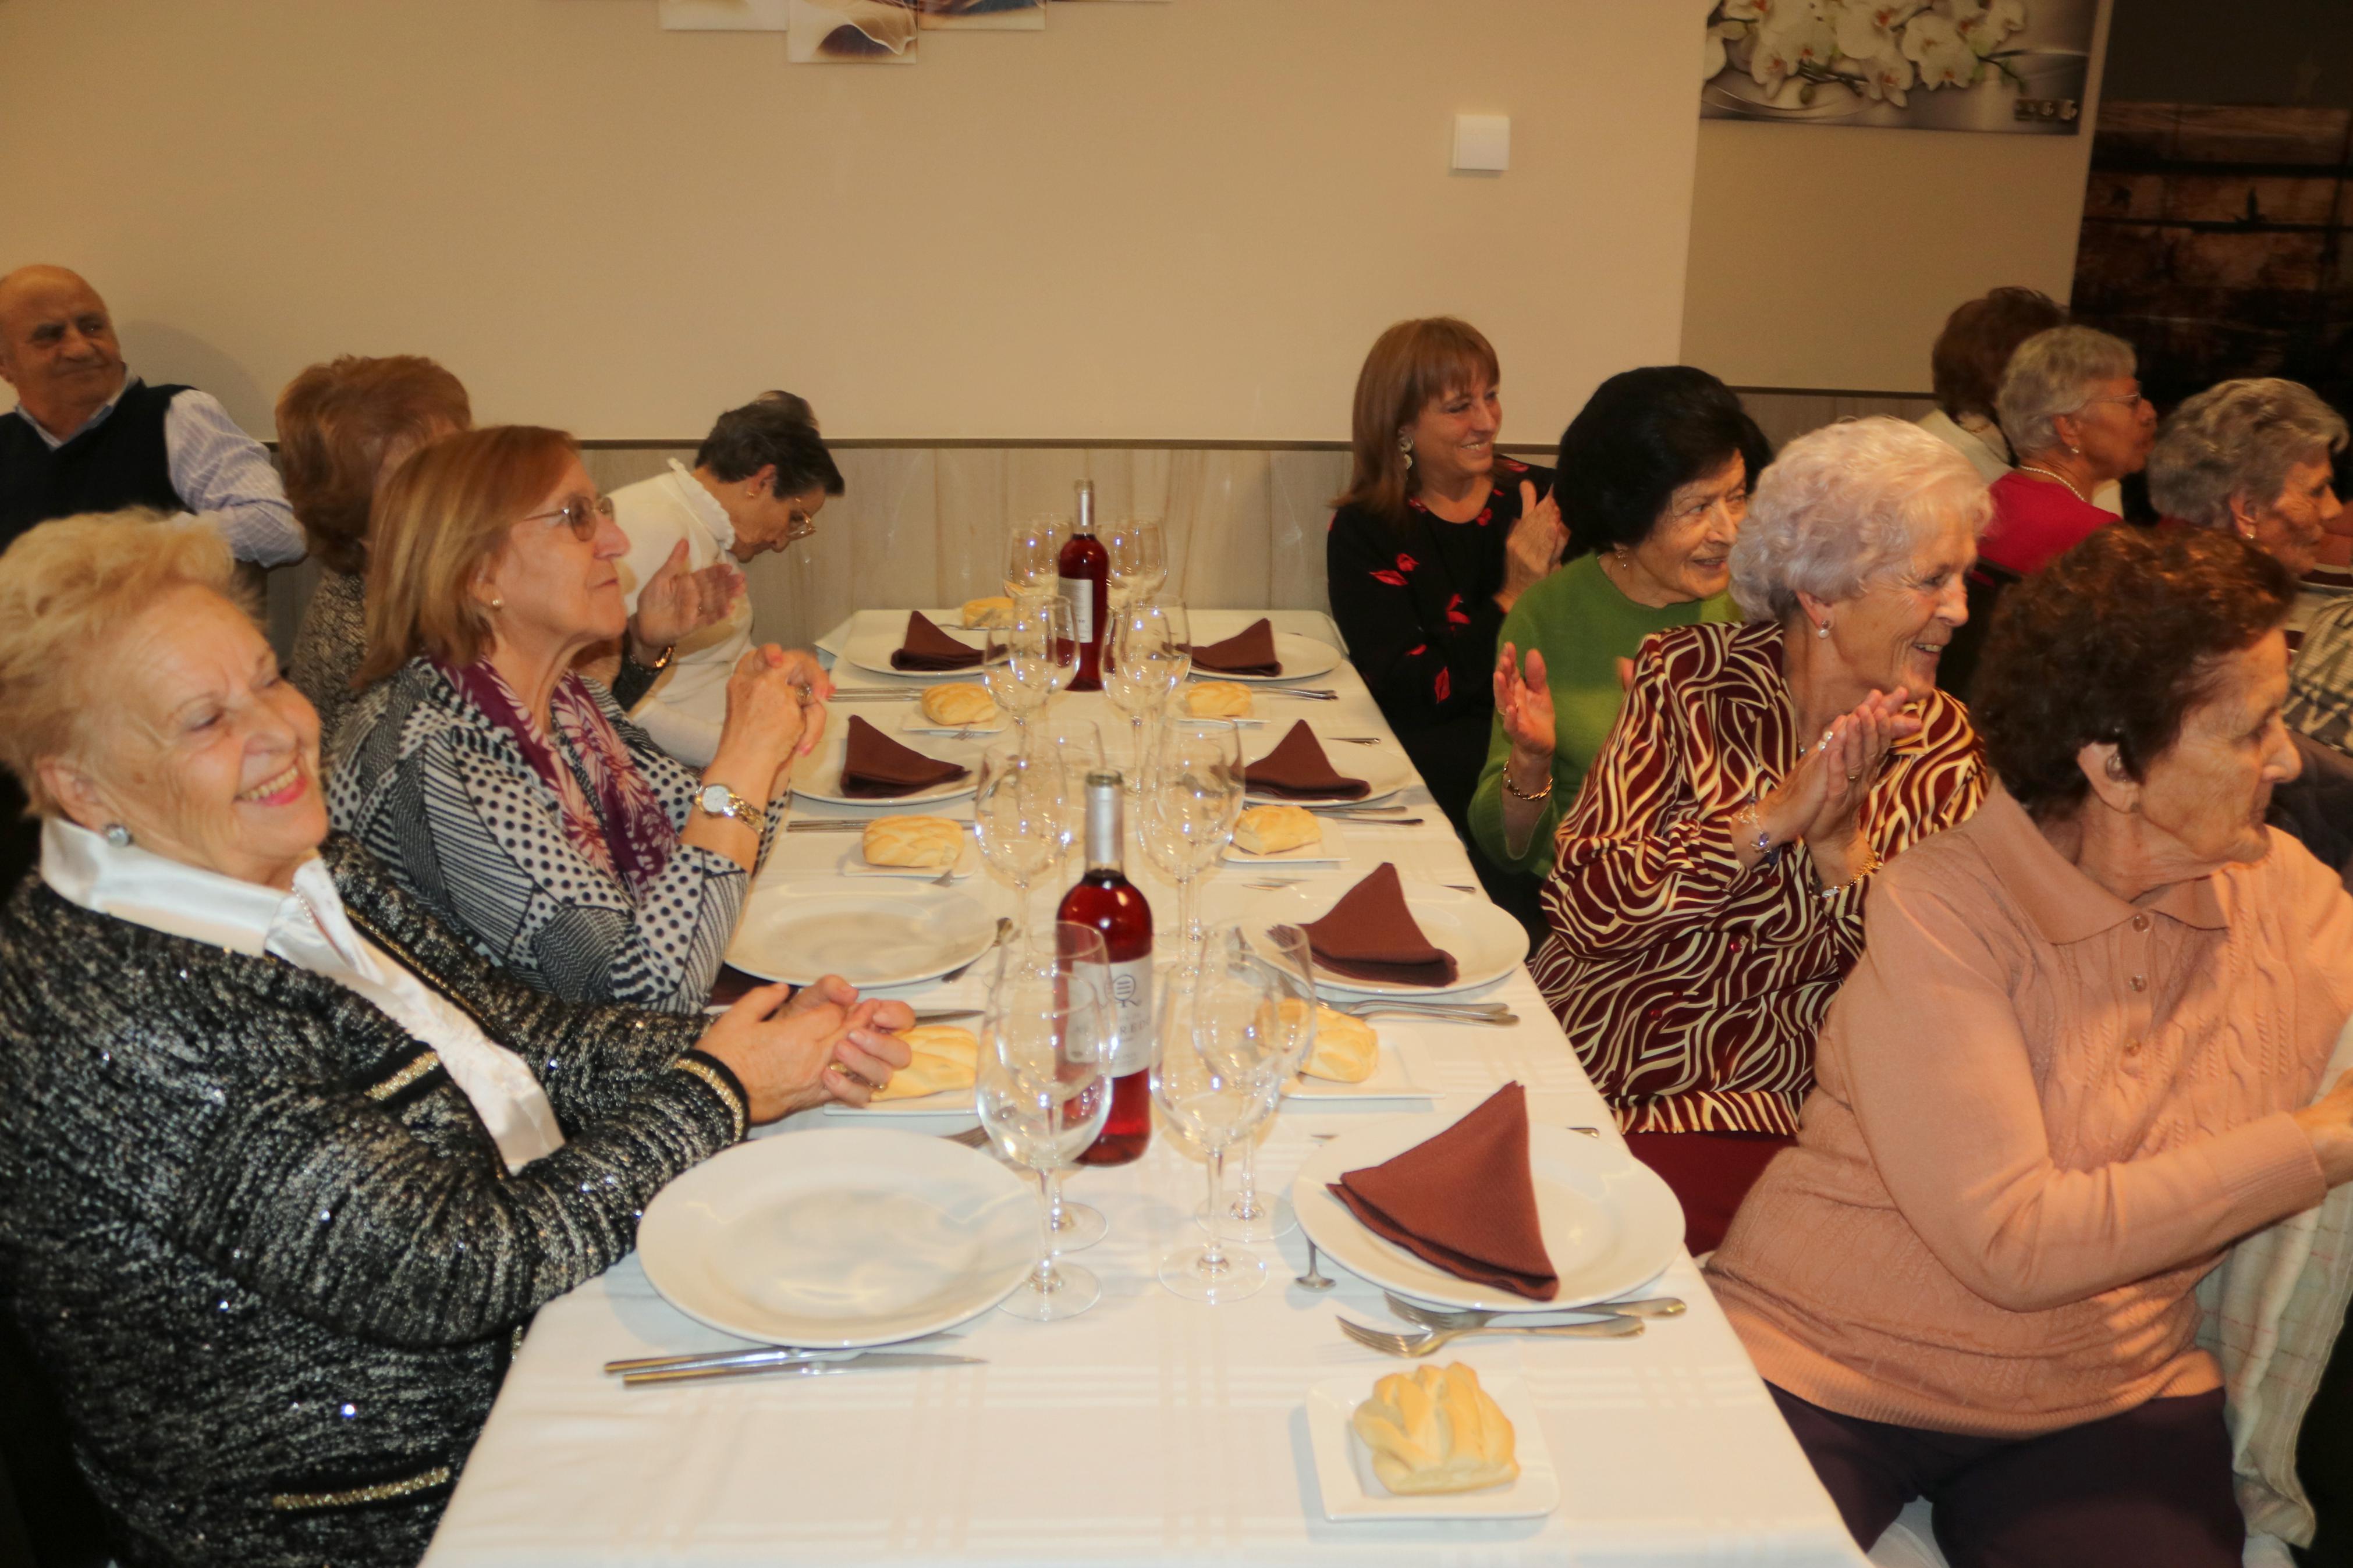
<point>1965,369</point>
<point>1434,539</point>
<point>510,793</point>
<point>2071,1068</point>
<point>342,427</point>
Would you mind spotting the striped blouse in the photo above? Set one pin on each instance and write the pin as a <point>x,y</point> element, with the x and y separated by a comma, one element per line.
<point>1691,989</point>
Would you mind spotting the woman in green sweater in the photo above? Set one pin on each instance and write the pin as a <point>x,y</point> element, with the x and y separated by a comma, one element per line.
<point>1653,482</point>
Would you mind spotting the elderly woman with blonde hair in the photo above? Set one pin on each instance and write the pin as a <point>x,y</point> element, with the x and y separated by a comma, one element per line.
<point>285,1166</point>
<point>1707,890</point>
<point>508,793</point>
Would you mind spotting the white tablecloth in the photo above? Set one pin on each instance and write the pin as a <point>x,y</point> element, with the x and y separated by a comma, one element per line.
<point>1151,1429</point>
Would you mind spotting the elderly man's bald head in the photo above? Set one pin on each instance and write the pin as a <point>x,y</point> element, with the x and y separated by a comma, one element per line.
<point>57,346</point>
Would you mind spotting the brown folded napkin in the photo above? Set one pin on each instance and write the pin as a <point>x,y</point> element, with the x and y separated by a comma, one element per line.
<point>1370,935</point>
<point>1463,1200</point>
<point>928,647</point>
<point>876,767</point>
<point>1249,651</point>
<point>1298,768</point>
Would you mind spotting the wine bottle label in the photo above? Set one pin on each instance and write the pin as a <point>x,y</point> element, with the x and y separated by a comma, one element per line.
<point>1082,594</point>
<point>1131,995</point>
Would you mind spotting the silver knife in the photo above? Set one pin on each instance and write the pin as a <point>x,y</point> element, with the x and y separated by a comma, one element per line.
<point>943,1016</point>
<point>872,1360</point>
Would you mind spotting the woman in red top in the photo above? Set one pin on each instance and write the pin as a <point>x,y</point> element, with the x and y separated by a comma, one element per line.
<point>2072,410</point>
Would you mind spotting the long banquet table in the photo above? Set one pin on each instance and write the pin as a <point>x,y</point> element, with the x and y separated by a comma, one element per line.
<point>1151,1429</point>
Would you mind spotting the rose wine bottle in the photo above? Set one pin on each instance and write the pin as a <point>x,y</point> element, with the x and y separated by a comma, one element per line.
<point>1084,568</point>
<point>1106,901</point>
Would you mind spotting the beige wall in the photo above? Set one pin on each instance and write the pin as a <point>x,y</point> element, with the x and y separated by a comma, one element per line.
<point>1829,256</point>
<point>1166,222</point>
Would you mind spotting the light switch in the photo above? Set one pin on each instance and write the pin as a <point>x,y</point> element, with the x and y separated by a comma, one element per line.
<point>1483,142</point>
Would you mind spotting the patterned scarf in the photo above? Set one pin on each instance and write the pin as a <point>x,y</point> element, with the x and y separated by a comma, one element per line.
<point>624,832</point>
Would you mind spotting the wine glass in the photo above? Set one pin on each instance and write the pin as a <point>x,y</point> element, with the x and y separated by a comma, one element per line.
<point>1077,748</point>
<point>1033,555</point>
<point>1218,1076</point>
<point>1018,816</point>
<point>1043,1089</point>
<point>1192,795</point>
<point>1146,659</point>
<point>1278,964</point>
<point>1139,559</point>
<point>1021,661</point>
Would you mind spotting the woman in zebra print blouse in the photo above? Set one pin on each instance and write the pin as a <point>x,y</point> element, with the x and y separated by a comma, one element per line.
<point>1708,888</point>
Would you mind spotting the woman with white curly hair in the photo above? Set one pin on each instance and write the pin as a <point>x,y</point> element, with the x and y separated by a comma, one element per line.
<point>1707,896</point>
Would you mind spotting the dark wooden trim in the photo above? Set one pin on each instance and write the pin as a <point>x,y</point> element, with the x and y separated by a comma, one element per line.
<point>1834,392</point>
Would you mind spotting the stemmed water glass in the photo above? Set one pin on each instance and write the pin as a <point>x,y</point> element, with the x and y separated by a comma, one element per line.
<point>1221,1069</point>
<point>1076,746</point>
<point>1139,559</point>
<point>1028,659</point>
<point>1279,963</point>
<point>1192,795</point>
<point>1042,1088</point>
<point>1033,555</point>
<point>1146,659</point>
<point>1019,816</point>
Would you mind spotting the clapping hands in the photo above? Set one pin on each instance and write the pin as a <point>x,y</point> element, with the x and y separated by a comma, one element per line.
<point>677,602</point>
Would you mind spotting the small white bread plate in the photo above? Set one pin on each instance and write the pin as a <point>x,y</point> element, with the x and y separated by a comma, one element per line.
<point>1302,658</point>
<point>1486,942</point>
<point>871,650</point>
<point>854,864</point>
<point>886,935</point>
<point>1329,850</point>
<point>1344,1466</point>
<point>818,777</point>
<point>1392,1079</point>
<point>1609,1224</point>
<point>840,1237</point>
<point>1384,769</point>
<point>915,723</point>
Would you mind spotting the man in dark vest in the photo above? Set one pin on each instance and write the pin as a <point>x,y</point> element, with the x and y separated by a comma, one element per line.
<point>88,435</point>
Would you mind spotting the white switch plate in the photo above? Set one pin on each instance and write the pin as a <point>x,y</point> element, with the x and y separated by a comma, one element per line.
<point>724,15</point>
<point>1483,142</point>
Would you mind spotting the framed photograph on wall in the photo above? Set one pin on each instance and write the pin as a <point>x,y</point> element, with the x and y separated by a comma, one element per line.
<point>1905,65</point>
<point>851,32</point>
<point>1004,15</point>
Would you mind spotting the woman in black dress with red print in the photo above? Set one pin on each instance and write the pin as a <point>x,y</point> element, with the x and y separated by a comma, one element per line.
<point>1437,536</point>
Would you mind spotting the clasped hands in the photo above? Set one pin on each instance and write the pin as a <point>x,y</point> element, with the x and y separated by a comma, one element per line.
<point>1822,800</point>
<point>824,1043</point>
<point>677,602</point>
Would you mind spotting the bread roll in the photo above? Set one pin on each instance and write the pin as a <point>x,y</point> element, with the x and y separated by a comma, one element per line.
<point>932,843</point>
<point>1218,700</point>
<point>979,612</point>
<point>1434,1429</point>
<point>959,702</point>
<point>1348,1049</point>
<point>947,1057</point>
<point>1270,829</point>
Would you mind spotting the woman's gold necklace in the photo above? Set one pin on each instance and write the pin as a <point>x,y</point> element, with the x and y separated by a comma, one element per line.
<point>2048,474</point>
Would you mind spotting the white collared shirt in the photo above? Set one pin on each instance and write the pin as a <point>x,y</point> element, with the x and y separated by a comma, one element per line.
<point>687,708</point>
<point>308,929</point>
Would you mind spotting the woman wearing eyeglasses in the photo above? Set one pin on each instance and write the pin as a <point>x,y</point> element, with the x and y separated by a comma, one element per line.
<point>508,793</point>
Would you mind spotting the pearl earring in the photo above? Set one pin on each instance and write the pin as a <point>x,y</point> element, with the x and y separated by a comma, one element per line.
<point>497,603</point>
<point>1404,446</point>
<point>1822,630</point>
<point>118,835</point>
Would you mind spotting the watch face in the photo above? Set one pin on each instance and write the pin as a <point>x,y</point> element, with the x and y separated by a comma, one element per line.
<point>715,801</point>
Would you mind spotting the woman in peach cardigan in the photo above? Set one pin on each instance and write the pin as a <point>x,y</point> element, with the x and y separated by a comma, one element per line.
<point>2071,1067</point>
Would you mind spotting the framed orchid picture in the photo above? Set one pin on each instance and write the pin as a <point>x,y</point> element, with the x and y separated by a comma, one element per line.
<point>1915,65</point>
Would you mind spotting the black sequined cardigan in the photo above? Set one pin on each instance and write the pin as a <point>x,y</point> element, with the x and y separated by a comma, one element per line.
<point>260,1241</point>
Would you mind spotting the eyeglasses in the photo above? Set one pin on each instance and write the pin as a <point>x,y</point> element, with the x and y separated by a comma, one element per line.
<point>581,514</point>
<point>2129,399</point>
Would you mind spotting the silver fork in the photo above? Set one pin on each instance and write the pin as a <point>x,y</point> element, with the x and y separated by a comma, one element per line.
<point>1312,693</point>
<point>1432,1318</point>
<point>971,1137</point>
<point>1356,740</point>
<point>1466,1010</point>
<point>1416,1345</point>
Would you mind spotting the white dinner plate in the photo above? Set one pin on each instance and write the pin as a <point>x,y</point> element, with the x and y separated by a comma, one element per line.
<point>1331,850</point>
<point>1302,658</point>
<point>1384,768</point>
<point>818,777</point>
<point>1487,944</point>
<point>1392,1079</point>
<point>1609,1224</point>
<point>1344,1466</point>
<point>891,936</point>
<point>872,650</point>
<point>854,864</point>
<point>842,1237</point>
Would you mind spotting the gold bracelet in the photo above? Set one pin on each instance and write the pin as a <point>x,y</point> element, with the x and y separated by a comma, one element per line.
<point>1516,793</point>
<point>1871,863</point>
